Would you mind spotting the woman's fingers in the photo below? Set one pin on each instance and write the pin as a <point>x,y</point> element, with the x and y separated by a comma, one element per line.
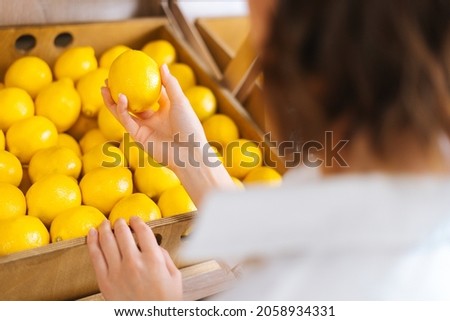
<point>125,240</point>
<point>145,237</point>
<point>96,254</point>
<point>108,245</point>
<point>171,267</point>
<point>173,89</point>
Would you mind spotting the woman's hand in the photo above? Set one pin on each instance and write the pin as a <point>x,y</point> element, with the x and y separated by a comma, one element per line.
<point>174,122</point>
<point>129,271</point>
<point>174,136</point>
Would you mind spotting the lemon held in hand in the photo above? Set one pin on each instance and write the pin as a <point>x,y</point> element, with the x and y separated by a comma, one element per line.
<point>137,76</point>
<point>22,233</point>
<point>136,204</point>
<point>75,222</point>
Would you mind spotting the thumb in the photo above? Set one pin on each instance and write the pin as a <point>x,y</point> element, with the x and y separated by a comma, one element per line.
<point>173,88</point>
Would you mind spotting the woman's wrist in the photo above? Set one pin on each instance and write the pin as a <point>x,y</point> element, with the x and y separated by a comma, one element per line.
<point>201,171</point>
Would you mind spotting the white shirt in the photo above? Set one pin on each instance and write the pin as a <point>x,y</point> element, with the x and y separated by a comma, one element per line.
<point>366,237</point>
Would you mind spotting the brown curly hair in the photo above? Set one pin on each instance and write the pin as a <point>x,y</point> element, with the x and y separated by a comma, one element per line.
<point>382,65</point>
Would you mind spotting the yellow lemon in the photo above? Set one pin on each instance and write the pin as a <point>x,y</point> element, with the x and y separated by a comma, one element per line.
<point>29,73</point>
<point>103,155</point>
<point>202,100</point>
<point>65,140</point>
<point>154,180</point>
<point>75,62</point>
<point>82,126</point>
<point>75,222</point>
<point>91,139</point>
<point>22,233</point>
<point>175,201</point>
<point>89,89</point>
<point>263,175</point>
<point>137,76</point>
<point>220,130</point>
<point>134,154</point>
<point>10,168</point>
<point>12,202</point>
<point>136,204</point>
<point>51,195</point>
<point>59,102</point>
<point>104,187</point>
<point>2,140</point>
<point>25,137</point>
<point>110,127</point>
<point>161,51</point>
<point>184,74</point>
<point>241,156</point>
<point>111,54</point>
<point>54,160</point>
<point>15,104</point>
<point>238,183</point>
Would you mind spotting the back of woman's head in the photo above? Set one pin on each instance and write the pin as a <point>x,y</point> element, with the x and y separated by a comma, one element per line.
<point>381,67</point>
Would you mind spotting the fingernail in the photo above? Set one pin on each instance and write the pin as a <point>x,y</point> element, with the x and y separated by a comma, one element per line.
<point>92,232</point>
<point>165,69</point>
<point>120,221</point>
<point>134,219</point>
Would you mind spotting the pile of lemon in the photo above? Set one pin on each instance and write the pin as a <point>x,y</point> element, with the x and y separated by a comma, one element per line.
<point>64,166</point>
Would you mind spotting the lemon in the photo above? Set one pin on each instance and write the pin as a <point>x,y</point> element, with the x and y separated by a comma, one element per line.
<point>136,204</point>
<point>82,126</point>
<point>104,187</point>
<point>54,160</point>
<point>184,74</point>
<point>103,155</point>
<point>75,222</point>
<point>2,140</point>
<point>161,51</point>
<point>134,154</point>
<point>110,127</point>
<point>75,62</point>
<point>89,89</point>
<point>111,54</point>
<point>91,139</point>
<point>137,76</point>
<point>15,104</point>
<point>10,168</point>
<point>263,175</point>
<point>238,183</point>
<point>12,202</point>
<point>29,73</point>
<point>241,156</point>
<point>65,140</point>
<point>59,102</point>
<point>202,101</point>
<point>25,137</point>
<point>22,233</point>
<point>220,130</point>
<point>51,195</point>
<point>154,180</point>
<point>175,201</point>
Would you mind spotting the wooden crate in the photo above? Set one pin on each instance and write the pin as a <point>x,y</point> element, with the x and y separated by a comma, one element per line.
<point>62,271</point>
<point>228,41</point>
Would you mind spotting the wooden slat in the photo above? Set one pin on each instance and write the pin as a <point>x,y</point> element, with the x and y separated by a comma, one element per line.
<point>200,281</point>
